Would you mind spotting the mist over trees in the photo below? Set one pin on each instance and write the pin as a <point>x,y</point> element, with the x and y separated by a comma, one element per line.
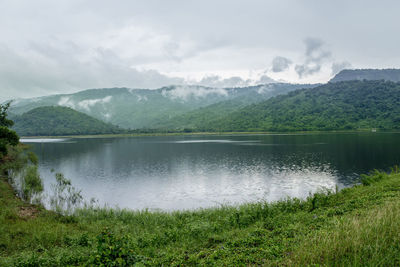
<point>346,105</point>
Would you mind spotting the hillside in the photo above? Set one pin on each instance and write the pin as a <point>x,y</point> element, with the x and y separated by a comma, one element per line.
<point>143,108</point>
<point>53,120</point>
<point>198,117</point>
<point>333,106</point>
<point>368,74</point>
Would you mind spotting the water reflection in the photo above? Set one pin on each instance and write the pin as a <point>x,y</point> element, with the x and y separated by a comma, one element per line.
<point>192,171</point>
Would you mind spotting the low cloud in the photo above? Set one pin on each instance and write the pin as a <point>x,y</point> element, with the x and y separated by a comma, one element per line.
<point>188,92</point>
<point>315,55</point>
<point>219,82</point>
<point>339,66</point>
<point>265,79</point>
<point>88,103</point>
<point>66,101</point>
<point>235,81</point>
<point>280,64</point>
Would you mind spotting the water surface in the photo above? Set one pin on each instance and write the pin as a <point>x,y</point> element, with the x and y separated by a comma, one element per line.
<point>186,172</point>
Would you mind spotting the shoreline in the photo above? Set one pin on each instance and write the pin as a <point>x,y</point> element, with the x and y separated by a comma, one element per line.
<point>355,226</point>
<point>209,134</point>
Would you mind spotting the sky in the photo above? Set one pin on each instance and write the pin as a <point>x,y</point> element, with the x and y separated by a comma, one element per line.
<point>64,46</point>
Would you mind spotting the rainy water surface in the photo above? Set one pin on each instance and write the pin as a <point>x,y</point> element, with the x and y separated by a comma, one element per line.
<point>187,172</point>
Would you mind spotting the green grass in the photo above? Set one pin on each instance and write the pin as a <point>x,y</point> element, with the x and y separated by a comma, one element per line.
<point>357,226</point>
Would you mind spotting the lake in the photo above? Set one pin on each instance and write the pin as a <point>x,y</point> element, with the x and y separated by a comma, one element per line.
<point>199,171</point>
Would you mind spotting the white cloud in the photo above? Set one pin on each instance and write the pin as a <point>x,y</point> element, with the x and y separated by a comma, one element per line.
<point>315,56</point>
<point>184,93</point>
<point>280,64</point>
<point>66,101</point>
<point>88,103</point>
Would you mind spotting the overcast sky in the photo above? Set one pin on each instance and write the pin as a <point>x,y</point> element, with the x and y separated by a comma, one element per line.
<point>64,46</point>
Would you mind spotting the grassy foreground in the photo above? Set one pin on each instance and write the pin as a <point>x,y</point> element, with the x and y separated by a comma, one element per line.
<point>358,226</point>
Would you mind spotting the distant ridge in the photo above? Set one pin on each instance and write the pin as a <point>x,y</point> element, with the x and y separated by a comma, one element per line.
<point>144,108</point>
<point>347,105</point>
<point>367,74</point>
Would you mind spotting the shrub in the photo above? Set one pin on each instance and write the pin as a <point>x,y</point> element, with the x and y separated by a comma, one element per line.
<point>32,183</point>
<point>373,178</point>
<point>65,197</point>
<point>113,251</point>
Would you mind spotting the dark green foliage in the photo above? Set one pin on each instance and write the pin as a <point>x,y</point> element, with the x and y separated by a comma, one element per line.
<point>142,108</point>
<point>33,158</point>
<point>197,118</point>
<point>112,250</point>
<point>334,106</point>
<point>376,176</point>
<point>3,115</point>
<point>32,183</point>
<point>45,121</point>
<point>7,136</point>
<point>65,197</point>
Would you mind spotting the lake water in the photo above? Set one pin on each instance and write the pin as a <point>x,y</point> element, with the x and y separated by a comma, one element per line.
<point>187,172</point>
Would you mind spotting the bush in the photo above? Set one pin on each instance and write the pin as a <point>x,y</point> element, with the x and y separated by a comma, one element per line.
<point>65,197</point>
<point>113,251</point>
<point>373,178</point>
<point>32,183</point>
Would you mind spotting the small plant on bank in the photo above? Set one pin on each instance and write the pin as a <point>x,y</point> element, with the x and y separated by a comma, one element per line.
<point>65,197</point>
<point>113,251</point>
<point>22,171</point>
<point>32,184</point>
<point>373,178</point>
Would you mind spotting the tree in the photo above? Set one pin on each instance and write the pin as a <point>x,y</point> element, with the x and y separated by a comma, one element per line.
<point>7,136</point>
<point>3,115</point>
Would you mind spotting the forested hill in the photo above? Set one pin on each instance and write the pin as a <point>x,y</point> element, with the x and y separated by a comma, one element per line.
<point>200,116</point>
<point>333,106</point>
<point>368,74</point>
<point>144,108</point>
<point>55,120</point>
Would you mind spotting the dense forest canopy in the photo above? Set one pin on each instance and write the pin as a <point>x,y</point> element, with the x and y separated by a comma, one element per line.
<point>60,121</point>
<point>347,105</point>
<point>333,106</point>
<point>145,108</point>
<point>7,136</point>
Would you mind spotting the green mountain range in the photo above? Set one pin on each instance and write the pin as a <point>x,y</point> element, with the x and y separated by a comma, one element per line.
<point>142,108</point>
<point>333,106</point>
<point>356,103</point>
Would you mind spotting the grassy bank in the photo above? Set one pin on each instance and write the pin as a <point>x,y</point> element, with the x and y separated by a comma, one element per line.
<point>356,226</point>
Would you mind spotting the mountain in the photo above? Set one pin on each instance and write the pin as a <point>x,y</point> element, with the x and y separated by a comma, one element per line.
<point>368,74</point>
<point>44,121</point>
<point>197,118</point>
<point>143,108</point>
<point>333,106</point>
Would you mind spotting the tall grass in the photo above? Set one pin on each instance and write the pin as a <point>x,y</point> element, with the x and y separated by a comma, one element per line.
<point>371,238</point>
